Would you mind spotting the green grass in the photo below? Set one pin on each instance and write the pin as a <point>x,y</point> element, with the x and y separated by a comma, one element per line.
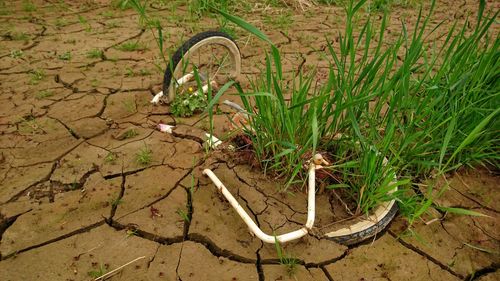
<point>110,158</point>
<point>183,215</point>
<point>16,54</point>
<point>282,21</point>
<point>130,134</point>
<point>144,156</point>
<point>95,54</point>
<point>4,10</point>
<point>431,113</point>
<point>131,47</point>
<point>29,6</point>
<point>98,272</point>
<point>65,56</point>
<point>36,75</point>
<point>19,36</point>
<point>44,94</point>
<point>116,201</point>
<point>129,106</point>
<point>290,263</point>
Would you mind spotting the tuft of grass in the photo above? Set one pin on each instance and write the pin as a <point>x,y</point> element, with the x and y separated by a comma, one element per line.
<point>61,22</point>
<point>183,215</point>
<point>131,47</point>
<point>115,202</point>
<point>129,106</point>
<point>188,104</point>
<point>130,134</point>
<point>29,6</point>
<point>121,4</point>
<point>97,272</point>
<point>36,75</point>
<point>144,156</point>
<point>15,54</point>
<point>110,157</point>
<point>83,21</point>
<point>283,21</point>
<point>4,10</point>
<point>290,263</point>
<point>65,56</point>
<point>19,36</point>
<point>95,54</point>
<point>44,94</point>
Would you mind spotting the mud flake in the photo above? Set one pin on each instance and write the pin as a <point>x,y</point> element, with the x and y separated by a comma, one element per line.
<point>87,106</point>
<point>170,224</point>
<point>70,211</point>
<point>386,258</point>
<point>73,258</point>
<point>194,262</point>
<point>19,179</point>
<point>88,127</point>
<point>77,163</point>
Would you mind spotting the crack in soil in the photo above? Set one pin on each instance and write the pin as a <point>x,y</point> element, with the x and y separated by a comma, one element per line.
<point>72,133</point>
<point>20,193</point>
<point>5,223</point>
<point>425,255</point>
<point>483,272</point>
<point>64,236</point>
<point>116,201</point>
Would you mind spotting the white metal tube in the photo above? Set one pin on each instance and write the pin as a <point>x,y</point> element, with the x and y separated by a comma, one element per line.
<point>251,224</point>
<point>185,78</point>
<point>311,196</point>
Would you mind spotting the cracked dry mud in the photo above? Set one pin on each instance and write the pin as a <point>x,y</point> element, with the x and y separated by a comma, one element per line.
<point>74,200</point>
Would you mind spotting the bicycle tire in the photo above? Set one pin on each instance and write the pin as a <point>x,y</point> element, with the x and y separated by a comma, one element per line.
<point>200,39</point>
<point>359,236</point>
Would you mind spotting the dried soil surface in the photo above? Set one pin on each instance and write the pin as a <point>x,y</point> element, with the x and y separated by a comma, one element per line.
<point>75,202</point>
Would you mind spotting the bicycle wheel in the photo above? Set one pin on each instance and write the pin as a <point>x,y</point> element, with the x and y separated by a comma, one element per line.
<point>213,55</point>
<point>362,228</point>
<point>365,228</point>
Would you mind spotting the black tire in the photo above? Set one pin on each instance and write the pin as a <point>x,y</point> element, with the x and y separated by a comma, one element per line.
<point>361,236</point>
<point>177,57</point>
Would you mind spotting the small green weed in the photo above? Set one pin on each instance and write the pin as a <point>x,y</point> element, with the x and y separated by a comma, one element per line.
<point>183,215</point>
<point>36,75</point>
<point>98,272</point>
<point>116,201</point>
<point>110,157</point>
<point>15,54</point>
<point>286,260</point>
<point>282,21</point>
<point>83,21</point>
<point>44,94</point>
<point>95,54</point>
<point>129,106</point>
<point>130,134</point>
<point>3,9</point>
<point>19,36</point>
<point>61,22</point>
<point>29,125</point>
<point>144,156</point>
<point>121,4</point>
<point>187,104</point>
<point>29,6</point>
<point>108,14</point>
<point>65,56</point>
<point>131,232</point>
<point>131,47</point>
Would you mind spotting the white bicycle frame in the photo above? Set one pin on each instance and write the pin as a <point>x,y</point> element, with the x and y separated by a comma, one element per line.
<point>311,209</point>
